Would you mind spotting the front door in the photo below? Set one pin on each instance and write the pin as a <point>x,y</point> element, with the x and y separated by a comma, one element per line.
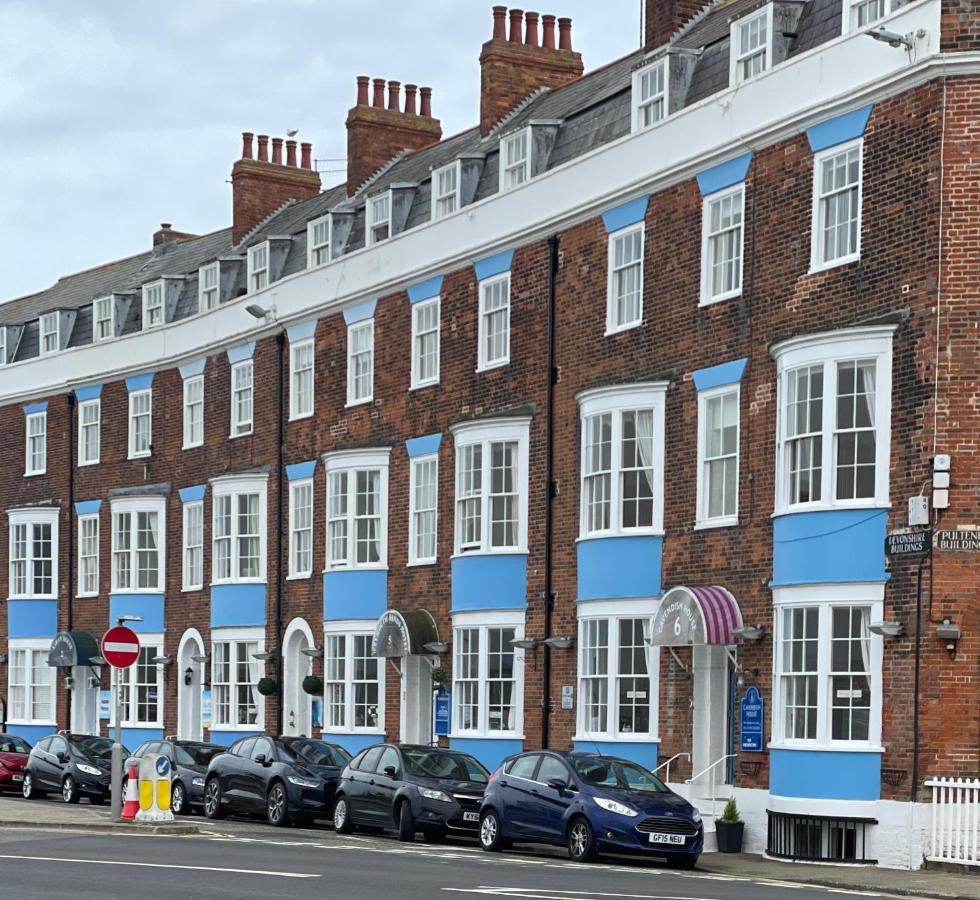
<point>189,674</point>
<point>84,701</point>
<point>711,713</point>
<point>416,700</point>
<point>298,704</point>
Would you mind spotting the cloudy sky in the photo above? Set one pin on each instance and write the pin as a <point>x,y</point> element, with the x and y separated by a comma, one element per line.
<point>118,115</point>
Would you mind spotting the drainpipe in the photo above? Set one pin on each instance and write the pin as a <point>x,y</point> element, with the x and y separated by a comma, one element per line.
<point>550,488</point>
<point>280,522</point>
<point>71,532</point>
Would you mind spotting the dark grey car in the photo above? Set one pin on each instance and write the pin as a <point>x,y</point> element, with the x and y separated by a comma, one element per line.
<point>189,764</point>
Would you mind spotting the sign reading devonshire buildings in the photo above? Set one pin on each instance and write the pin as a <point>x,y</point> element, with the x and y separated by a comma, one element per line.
<point>907,543</point>
<point>963,540</point>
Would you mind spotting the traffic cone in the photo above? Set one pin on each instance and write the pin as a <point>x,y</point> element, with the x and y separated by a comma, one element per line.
<point>131,806</point>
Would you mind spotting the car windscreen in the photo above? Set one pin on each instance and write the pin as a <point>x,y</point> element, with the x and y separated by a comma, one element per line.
<point>194,754</point>
<point>444,765</point>
<point>616,774</point>
<point>95,746</point>
<point>11,744</point>
<point>316,753</point>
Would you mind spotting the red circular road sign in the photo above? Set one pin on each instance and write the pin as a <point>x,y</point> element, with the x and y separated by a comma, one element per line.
<point>120,647</point>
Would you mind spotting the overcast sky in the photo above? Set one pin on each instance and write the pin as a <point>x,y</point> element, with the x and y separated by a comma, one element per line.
<point>117,115</point>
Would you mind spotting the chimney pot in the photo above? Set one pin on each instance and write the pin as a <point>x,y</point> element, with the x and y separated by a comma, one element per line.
<point>548,39</point>
<point>166,226</point>
<point>426,95</point>
<point>394,89</point>
<point>516,18</point>
<point>263,148</point>
<point>307,149</point>
<point>564,34</point>
<point>499,23</point>
<point>531,29</point>
<point>362,90</point>
<point>410,91</point>
<point>379,93</point>
<point>277,151</point>
<point>291,153</point>
<point>246,145</point>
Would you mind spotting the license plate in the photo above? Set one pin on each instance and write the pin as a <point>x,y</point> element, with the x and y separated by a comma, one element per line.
<point>658,838</point>
<point>471,817</point>
<point>16,777</point>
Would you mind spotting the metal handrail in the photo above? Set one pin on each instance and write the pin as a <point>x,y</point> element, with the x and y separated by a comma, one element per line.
<point>694,778</point>
<point>711,784</point>
<point>667,764</point>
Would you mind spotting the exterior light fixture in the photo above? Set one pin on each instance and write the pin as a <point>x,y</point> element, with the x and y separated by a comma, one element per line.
<point>749,632</point>
<point>887,628</point>
<point>3,658</point>
<point>436,647</point>
<point>200,657</point>
<point>524,643</point>
<point>121,619</point>
<point>188,676</point>
<point>258,312</point>
<point>96,660</point>
<point>893,39</point>
<point>312,652</point>
<point>558,643</point>
<point>163,660</point>
<point>949,632</point>
<point>265,655</point>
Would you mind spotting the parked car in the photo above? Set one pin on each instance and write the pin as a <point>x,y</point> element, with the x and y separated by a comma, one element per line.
<point>76,765</point>
<point>286,779</point>
<point>413,789</point>
<point>188,765</point>
<point>591,804</point>
<point>14,752</point>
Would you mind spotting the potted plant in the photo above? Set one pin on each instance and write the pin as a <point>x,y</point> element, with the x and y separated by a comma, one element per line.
<point>729,829</point>
<point>438,675</point>
<point>266,686</point>
<point>313,685</point>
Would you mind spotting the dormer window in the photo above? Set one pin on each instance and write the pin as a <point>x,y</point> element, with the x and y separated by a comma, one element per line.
<point>445,190</point>
<point>515,159</point>
<point>318,242</point>
<point>153,305</point>
<point>379,218</point>
<point>258,267</point>
<point>103,319</point>
<point>862,13</point>
<point>751,45</point>
<point>3,345</point>
<point>49,333</point>
<point>207,287</point>
<point>649,95</point>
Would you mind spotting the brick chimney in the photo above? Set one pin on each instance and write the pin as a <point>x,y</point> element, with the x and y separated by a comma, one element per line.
<point>377,132</point>
<point>259,187</point>
<point>167,235</point>
<point>518,60</point>
<point>663,18</point>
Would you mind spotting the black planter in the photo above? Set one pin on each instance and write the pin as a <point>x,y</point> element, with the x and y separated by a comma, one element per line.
<point>729,836</point>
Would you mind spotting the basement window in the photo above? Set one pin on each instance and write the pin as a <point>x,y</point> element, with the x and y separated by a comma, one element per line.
<point>379,219</point>
<point>515,159</point>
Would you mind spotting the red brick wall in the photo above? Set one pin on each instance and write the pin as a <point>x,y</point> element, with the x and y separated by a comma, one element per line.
<point>259,188</point>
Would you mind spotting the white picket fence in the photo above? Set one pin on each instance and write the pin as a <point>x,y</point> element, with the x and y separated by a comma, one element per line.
<point>955,820</point>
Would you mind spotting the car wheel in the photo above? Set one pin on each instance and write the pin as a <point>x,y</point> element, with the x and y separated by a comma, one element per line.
<point>69,791</point>
<point>491,838</point>
<point>434,835</point>
<point>29,789</point>
<point>212,800</point>
<point>406,822</point>
<point>178,800</point>
<point>682,861</point>
<point>581,841</point>
<point>342,823</point>
<point>275,806</point>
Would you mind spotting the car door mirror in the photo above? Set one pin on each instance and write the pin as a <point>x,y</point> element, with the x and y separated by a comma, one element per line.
<point>62,756</point>
<point>262,759</point>
<point>558,784</point>
<point>391,771</point>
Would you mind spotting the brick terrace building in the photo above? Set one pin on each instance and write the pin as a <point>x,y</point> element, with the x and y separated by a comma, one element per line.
<point>604,407</point>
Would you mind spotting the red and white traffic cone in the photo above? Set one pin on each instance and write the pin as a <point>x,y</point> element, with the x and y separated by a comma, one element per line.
<point>131,806</point>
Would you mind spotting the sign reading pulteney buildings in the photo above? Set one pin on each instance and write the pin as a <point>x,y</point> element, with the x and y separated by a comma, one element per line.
<point>960,540</point>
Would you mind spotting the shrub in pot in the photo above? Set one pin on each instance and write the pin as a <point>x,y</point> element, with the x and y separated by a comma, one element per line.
<point>730,829</point>
<point>266,686</point>
<point>313,685</point>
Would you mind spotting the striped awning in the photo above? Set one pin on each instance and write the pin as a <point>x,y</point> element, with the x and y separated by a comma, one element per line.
<point>696,615</point>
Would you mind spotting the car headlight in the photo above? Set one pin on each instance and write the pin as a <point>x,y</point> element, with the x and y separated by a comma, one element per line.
<point>614,807</point>
<point>197,782</point>
<point>303,782</point>
<point>430,794</point>
<point>695,816</point>
<point>88,770</point>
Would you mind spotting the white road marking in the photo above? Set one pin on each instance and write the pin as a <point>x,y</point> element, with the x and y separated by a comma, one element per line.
<point>552,894</point>
<point>144,865</point>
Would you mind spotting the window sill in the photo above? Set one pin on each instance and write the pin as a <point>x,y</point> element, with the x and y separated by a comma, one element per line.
<point>417,563</point>
<point>381,567</point>
<point>823,507</point>
<point>631,738</point>
<point>721,298</point>
<point>299,418</point>
<point>35,474</point>
<point>139,456</point>
<point>619,329</point>
<point>90,462</point>
<point>255,727</point>
<point>300,576</point>
<point>35,722</point>
<point>489,367</point>
<point>127,592</point>
<point>424,384</point>
<point>363,731</point>
<point>226,581</point>
<point>841,747</point>
<point>817,268</point>
<point>192,589</point>
<point>352,403</point>
<point>487,735</point>
<point>248,433</point>
<point>86,596</point>
<point>26,597</point>
<point>604,535</point>
<point>192,446</point>
<point>510,551</point>
<point>708,524</point>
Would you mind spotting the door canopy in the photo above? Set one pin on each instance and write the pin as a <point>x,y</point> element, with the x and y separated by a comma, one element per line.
<point>74,648</point>
<point>690,616</point>
<point>404,633</point>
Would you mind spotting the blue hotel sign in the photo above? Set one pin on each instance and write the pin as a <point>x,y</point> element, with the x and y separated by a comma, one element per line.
<point>752,708</point>
<point>443,715</point>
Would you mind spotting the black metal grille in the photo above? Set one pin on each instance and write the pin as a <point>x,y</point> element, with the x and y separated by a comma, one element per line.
<point>818,838</point>
<point>468,802</point>
<point>666,825</point>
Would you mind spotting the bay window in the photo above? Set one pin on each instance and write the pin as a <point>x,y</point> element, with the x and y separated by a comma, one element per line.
<point>30,684</point>
<point>236,702</point>
<point>33,553</point>
<point>353,684</point>
<point>239,529</point>
<point>357,509</point>
<point>138,545</point>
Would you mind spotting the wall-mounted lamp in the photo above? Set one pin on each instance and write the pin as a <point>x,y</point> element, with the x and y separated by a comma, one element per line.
<point>312,652</point>
<point>163,660</point>
<point>524,643</point>
<point>437,647</point>
<point>121,619</point>
<point>3,658</point>
<point>749,632</point>
<point>188,676</point>
<point>950,633</point>
<point>740,679</point>
<point>200,657</point>
<point>265,655</point>
<point>96,660</point>
<point>887,628</point>
<point>558,643</point>
<point>892,38</point>
<point>260,312</point>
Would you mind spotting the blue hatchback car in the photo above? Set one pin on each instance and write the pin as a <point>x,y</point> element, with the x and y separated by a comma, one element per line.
<point>591,804</point>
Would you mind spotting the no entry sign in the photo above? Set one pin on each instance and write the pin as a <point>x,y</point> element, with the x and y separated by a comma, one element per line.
<point>120,647</point>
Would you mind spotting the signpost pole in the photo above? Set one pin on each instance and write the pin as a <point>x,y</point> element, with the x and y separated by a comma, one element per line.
<point>117,760</point>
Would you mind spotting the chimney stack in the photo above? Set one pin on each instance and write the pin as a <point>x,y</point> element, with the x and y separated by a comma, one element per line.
<point>167,235</point>
<point>514,65</point>
<point>260,186</point>
<point>379,132</point>
<point>664,18</point>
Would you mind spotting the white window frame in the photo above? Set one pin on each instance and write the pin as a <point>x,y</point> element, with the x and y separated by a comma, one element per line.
<point>351,462</point>
<point>133,506</point>
<point>353,330</point>
<point>514,174</point>
<point>707,257</point>
<point>702,518</point>
<point>97,319</point>
<point>415,463</point>
<point>192,509</point>
<point>612,326</point>
<point>485,289</point>
<point>38,420</point>
<point>234,636</point>
<point>659,100</point>
<point>48,330</point>
<point>29,518</point>
<point>3,345</point>
<point>417,338</point>
<point>616,401</point>
<point>134,396</point>
<point>737,58</point>
<point>296,374</point>
<point>151,645</point>
<point>86,406</point>
<point>829,349</point>
<point>484,621</point>
<point>469,434</point>
<point>190,423</point>
<point>851,11</point>
<point>349,630</point>
<point>242,427</point>
<point>455,195</point>
<point>314,251</point>
<point>305,485</point>
<point>235,486</point>
<point>258,267</point>
<point>204,291</point>
<point>31,647</point>
<point>826,597</point>
<point>817,263</point>
<point>84,522</point>
<point>378,216</point>
<point>154,301</point>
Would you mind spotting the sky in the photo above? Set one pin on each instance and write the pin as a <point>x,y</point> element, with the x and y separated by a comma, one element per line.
<point>117,115</point>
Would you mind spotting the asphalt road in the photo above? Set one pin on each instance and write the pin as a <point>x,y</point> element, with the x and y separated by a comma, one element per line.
<point>245,860</point>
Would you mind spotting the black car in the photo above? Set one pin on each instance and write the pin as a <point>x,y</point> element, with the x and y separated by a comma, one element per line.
<point>75,765</point>
<point>413,789</point>
<point>188,765</point>
<point>286,779</point>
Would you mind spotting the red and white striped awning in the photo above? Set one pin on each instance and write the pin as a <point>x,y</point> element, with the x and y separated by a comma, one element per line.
<point>696,615</point>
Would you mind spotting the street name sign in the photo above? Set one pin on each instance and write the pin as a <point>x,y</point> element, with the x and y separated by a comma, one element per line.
<point>907,543</point>
<point>960,540</point>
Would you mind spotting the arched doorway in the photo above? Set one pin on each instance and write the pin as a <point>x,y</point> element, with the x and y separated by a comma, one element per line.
<point>297,704</point>
<point>190,681</point>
